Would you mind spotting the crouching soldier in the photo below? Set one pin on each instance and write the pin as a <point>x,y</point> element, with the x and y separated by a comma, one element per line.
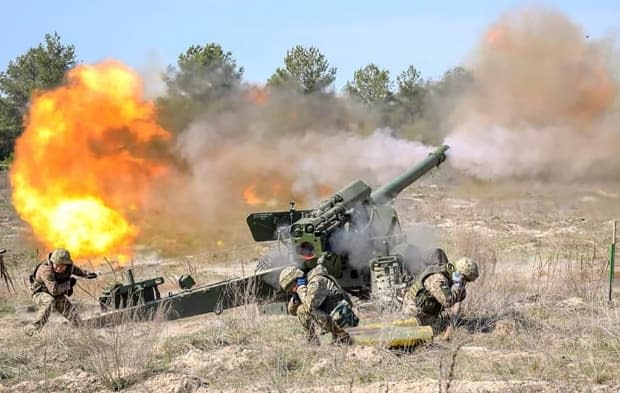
<point>318,300</point>
<point>438,288</point>
<point>52,284</point>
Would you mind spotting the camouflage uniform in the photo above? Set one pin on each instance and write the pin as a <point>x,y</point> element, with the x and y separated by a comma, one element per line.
<point>315,303</point>
<point>49,291</point>
<point>430,294</point>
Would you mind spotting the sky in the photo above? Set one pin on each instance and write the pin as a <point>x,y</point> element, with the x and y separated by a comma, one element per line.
<point>148,35</point>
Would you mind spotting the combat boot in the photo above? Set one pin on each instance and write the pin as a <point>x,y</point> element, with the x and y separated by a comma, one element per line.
<point>342,339</point>
<point>312,338</point>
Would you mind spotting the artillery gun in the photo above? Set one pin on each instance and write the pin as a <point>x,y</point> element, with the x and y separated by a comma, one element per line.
<point>355,234</point>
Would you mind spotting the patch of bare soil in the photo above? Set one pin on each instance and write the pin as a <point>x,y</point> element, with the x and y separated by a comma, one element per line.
<point>71,382</point>
<point>174,382</point>
<point>459,386</point>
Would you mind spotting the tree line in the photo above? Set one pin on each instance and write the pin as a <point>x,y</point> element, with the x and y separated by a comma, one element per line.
<point>207,78</point>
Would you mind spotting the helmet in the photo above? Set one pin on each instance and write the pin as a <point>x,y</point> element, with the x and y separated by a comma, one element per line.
<point>289,275</point>
<point>467,267</point>
<point>60,256</point>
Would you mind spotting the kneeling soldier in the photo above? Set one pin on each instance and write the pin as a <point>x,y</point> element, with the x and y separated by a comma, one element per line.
<point>438,288</point>
<point>51,285</point>
<point>319,300</point>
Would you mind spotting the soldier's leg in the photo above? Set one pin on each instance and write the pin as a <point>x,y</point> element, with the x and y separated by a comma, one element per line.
<point>430,320</point>
<point>409,308</point>
<point>64,306</point>
<point>44,302</point>
<point>440,323</point>
<point>308,323</point>
<point>411,311</point>
<point>339,335</point>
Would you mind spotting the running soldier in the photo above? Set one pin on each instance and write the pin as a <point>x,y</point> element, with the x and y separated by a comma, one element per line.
<point>52,284</point>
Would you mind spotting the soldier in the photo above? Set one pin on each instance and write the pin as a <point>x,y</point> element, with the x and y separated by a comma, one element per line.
<point>52,284</point>
<point>319,300</point>
<point>438,288</point>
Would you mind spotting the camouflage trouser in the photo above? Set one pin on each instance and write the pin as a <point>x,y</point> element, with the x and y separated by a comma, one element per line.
<point>310,320</point>
<point>46,302</point>
<point>410,309</point>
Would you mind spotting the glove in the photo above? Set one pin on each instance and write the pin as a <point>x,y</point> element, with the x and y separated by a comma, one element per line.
<point>90,275</point>
<point>458,283</point>
<point>301,281</point>
<point>295,299</point>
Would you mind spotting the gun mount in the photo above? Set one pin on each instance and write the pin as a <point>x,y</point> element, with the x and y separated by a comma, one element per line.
<point>118,295</point>
<point>355,233</point>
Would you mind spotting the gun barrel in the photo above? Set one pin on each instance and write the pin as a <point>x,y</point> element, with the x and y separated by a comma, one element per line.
<point>390,190</point>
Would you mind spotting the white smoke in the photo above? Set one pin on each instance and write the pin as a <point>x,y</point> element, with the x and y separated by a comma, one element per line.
<point>543,103</point>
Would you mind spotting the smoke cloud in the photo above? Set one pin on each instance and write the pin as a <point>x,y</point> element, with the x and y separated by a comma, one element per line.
<point>542,104</point>
<point>260,154</point>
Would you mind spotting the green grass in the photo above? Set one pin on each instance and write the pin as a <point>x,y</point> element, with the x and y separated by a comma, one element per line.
<point>6,308</point>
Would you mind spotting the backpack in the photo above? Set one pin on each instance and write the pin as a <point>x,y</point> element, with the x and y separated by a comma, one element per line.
<point>328,276</point>
<point>33,276</point>
<point>422,297</point>
<point>418,262</point>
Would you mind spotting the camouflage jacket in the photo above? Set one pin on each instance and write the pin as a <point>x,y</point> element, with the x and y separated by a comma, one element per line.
<point>56,284</point>
<point>433,291</point>
<point>322,292</point>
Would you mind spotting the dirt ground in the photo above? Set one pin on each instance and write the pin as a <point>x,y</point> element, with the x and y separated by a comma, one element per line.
<point>537,320</point>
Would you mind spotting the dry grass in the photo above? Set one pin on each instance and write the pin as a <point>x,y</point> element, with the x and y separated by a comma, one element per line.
<point>537,313</point>
<point>117,357</point>
<point>553,324</point>
<point>123,354</point>
<point>512,328</point>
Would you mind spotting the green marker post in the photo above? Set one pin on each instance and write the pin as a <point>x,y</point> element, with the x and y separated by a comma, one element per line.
<point>612,257</point>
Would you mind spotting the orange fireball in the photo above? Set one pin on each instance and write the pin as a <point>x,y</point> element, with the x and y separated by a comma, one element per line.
<point>271,193</point>
<point>250,196</point>
<point>265,194</point>
<point>87,159</point>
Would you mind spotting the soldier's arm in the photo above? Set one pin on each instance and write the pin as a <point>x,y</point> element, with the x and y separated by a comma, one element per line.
<point>78,271</point>
<point>292,308</point>
<point>439,287</point>
<point>455,310</point>
<point>454,314</point>
<point>293,304</point>
<point>313,294</point>
<point>54,287</point>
